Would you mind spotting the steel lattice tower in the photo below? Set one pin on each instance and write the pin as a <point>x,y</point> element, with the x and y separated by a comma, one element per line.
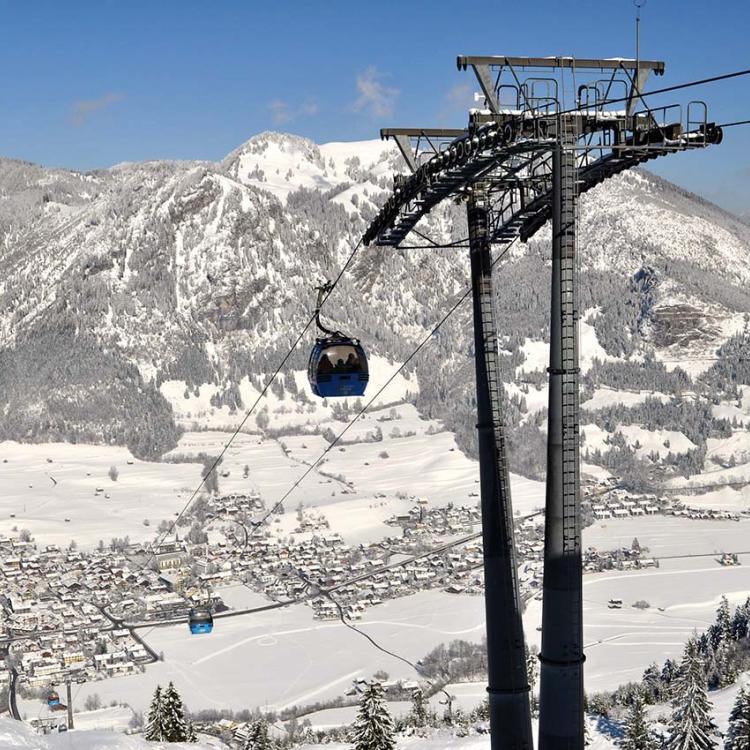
<point>508,682</point>
<point>561,673</point>
<point>518,164</point>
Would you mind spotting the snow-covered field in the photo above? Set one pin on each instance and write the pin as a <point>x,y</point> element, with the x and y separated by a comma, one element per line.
<point>715,479</point>
<point>46,484</point>
<point>285,657</point>
<point>683,594</point>
<point>725,498</point>
<point>669,535</point>
<point>621,643</point>
<point>15,735</point>
<point>43,485</point>
<point>359,484</point>
<point>606,396</point>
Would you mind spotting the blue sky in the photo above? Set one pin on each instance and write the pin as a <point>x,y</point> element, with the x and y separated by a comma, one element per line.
<point>88,84</point>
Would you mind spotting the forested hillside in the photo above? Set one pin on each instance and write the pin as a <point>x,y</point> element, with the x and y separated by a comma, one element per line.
<point>115,282</point>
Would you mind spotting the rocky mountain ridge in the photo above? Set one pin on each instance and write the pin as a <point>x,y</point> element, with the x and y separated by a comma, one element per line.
<point>202,272</point>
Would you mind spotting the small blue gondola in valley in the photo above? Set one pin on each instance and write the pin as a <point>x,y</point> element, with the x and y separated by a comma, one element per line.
<point>338,363</point>
<point>53,699</point>
<point>200,620</point>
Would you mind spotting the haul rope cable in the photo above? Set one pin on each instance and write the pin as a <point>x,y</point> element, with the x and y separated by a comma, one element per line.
<point>250,411</point>
<point>677,87</point>
<point>733,124</point>
<point>372,400</point>
<point>697,82</point>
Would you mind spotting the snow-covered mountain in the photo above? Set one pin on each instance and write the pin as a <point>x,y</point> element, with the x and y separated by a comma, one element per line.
<point>115,281</point>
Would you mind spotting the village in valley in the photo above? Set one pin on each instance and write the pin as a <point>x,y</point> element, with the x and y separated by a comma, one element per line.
<point>84,615</point>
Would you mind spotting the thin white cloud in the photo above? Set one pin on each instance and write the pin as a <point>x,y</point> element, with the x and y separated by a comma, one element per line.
<point>280,111</point>
<point>375,97</point>
<point>283,112</point>
<point>82,109</point>
<point>460,96</point>
<point>457,100</point>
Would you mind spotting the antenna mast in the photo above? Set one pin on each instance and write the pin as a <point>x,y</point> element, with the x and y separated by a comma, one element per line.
<point>638,5</point>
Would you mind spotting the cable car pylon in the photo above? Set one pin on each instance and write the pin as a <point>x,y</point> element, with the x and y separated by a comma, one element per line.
<point>561,658</point>
<point>523,159</point>
<point>508,685</point>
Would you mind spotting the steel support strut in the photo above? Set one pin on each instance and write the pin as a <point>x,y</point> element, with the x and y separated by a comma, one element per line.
<point>561,676</point>
<point>70,705</point>
<point>510,715</point>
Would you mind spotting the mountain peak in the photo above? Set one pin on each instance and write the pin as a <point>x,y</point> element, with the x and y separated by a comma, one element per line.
<point>285,141</point>
<point>277,162</point>
<point>281,163</point>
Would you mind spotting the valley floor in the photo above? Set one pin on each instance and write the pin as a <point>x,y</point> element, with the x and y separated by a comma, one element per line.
<point>277,659</point>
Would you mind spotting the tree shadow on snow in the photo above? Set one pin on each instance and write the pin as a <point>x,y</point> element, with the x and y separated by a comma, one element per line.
<point>608,727</point>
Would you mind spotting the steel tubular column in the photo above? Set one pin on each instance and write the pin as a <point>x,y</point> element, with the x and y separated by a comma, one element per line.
<point>70,705</point>
<point>510,716</point>
<point>561,677</point>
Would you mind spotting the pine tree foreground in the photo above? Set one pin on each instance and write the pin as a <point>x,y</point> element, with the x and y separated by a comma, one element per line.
<point>691,726</point>
<point>166,718</point>
<point>637,734</point>
<point>258,738</point>
<point>738,734</point>
<point>373,729</point>
<point>155,720</point>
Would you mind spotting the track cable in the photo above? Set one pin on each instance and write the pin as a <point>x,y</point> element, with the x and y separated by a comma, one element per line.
<point>155,545</point>
<point>248,414</point>
<point>425,340</point>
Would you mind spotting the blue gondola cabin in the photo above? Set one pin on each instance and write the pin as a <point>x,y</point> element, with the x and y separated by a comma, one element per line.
<point>200,620</point>
<point>338,367</point>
